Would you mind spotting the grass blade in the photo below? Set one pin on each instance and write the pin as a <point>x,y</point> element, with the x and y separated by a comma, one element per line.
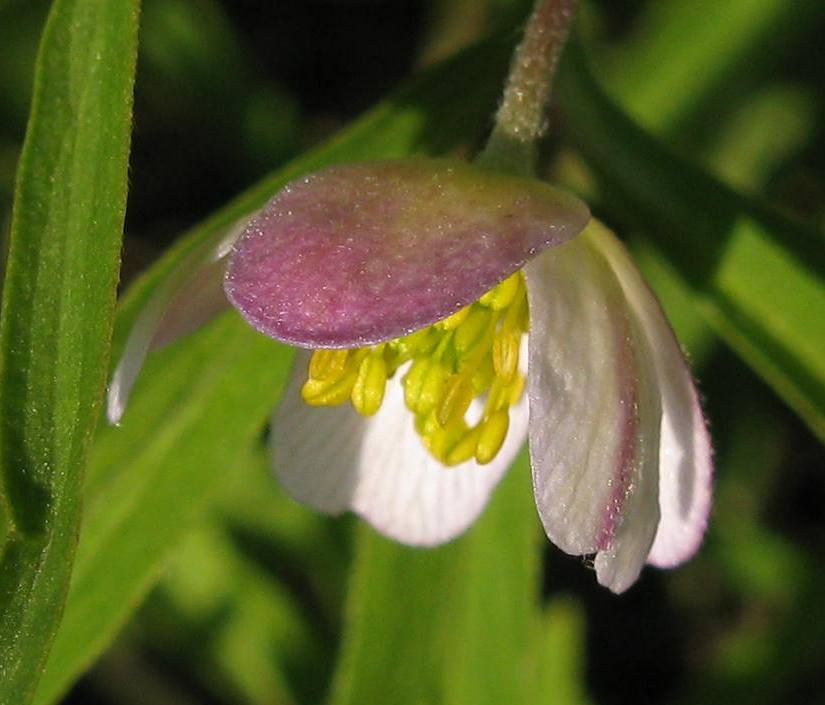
<point>57,313</point>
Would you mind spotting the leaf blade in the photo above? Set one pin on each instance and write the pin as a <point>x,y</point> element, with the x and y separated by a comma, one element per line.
<point>451,624</point>
<point>57,313</point>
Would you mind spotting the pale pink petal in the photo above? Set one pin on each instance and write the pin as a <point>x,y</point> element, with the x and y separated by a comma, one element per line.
<point>198,301</point>
<point>594,413</point>
<point>187,298</point>
<point>686,459</point>
<point>618,566</point>
<point>361,253</point>
<point>334,459</point>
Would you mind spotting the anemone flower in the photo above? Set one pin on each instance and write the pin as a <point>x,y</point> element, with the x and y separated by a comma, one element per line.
<point>426,294</point>
<point>411,280</point>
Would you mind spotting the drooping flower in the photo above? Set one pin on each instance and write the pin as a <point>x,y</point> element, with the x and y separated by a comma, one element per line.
<point>620,454</point>
<point>412,280</point>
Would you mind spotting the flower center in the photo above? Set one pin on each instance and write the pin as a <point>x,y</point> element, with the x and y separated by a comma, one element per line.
<point>472,354</point>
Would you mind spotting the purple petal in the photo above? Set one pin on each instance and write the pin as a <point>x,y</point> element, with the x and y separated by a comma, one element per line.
<point>362,253</point>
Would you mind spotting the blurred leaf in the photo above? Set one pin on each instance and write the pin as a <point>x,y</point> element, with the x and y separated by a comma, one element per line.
<point>234,627</point>
<point>753,272</point>
<point>681,66</point>
<point>747,148</point>
<point>684,54</point>
<point>561,649</point>
<point>21,25</point>
<point>201,404</point>
<point>239,613</point>
<point>198,81</point>
<point>281,537</point>
<point>447,625</point>
<point>58,306</point>
<point>765,583</point>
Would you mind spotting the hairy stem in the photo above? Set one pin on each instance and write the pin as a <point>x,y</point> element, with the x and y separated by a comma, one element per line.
<point>520,119</point>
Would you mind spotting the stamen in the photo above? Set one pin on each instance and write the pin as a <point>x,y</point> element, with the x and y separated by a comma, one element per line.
<point>491,438</point>
<point>368,390</point>
<point>472,354</point>
<point>328,364</point>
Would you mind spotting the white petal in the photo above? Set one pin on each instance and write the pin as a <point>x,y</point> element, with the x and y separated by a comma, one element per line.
<point>594,413</point>
<point>686,459</point>
<point>315,450</point>
<point>188,298</point>
<point>333,459</point>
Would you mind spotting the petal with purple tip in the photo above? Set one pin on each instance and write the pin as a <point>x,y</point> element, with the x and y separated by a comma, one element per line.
<point>188,298</point>
<point>594,413</point>
<point>686,458</point>
<point>361,253</point>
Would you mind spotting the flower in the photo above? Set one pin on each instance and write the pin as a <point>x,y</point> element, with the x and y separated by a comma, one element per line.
<point>359,255</point>
<point>412,280</point>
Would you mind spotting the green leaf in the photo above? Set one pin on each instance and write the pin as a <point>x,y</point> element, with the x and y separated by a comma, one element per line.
<point>241,599</point>
<point>560,652</point>
<point>202,405</point>
<point>686,58</point>
<point>446,625</point>
<point>58,305</point>
<point>203,402</point>
<point>754,273</point>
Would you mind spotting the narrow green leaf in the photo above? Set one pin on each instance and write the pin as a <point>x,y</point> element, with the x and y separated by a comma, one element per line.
<point>754,272</point>
<point>202,405</point>
<point>57,313</point>
<point>244,606</point>
<point>561,648</point>
<point>685,56</point>
<point>446,625</point>
<point>203,402</point>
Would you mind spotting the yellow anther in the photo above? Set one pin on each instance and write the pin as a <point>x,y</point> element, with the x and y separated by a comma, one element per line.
<point>483,375</point>
<point>444,439</point>
<point>465,449</point>
<point>503,294</point>
<point>328,364</point>
<point>424,385</point>
<point>506,353</point>
<point>326,392</point>
<point>491,437</point>
<point>516,389</point>
<point>454,321</point>
<point>368,390</point>
<point>473,353</point>
<point>472,331</point>
<point>457,397</point>
<point>418,343</point>
<point>498,397</point>
<point>426,424</point>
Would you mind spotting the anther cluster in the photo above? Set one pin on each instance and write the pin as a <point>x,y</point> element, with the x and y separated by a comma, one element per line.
<point>472,354</point>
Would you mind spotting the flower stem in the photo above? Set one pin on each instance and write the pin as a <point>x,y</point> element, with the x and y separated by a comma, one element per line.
<point>520,120</point>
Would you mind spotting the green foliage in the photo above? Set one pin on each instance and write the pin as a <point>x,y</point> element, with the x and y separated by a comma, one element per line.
<point>143,494</point>
<point>250,598</point>
<point>754,273</point>
<point>58,305</point>
<point>449,625</point>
